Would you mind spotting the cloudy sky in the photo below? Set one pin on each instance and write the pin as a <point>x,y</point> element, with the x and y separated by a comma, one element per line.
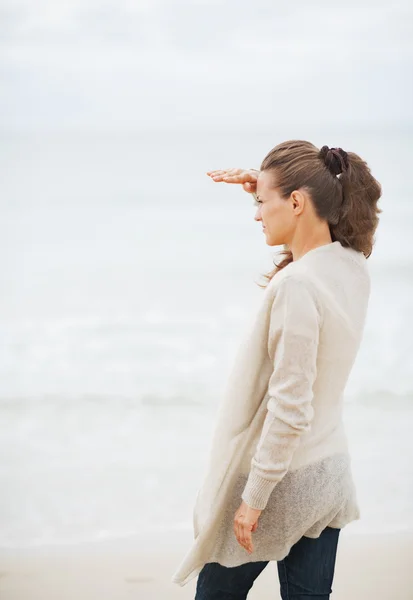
<point>132,63</point>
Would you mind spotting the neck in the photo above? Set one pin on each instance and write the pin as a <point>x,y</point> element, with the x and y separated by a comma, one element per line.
<point>300,246</point>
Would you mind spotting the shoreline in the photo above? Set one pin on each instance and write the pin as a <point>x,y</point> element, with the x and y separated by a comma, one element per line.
<point>370,566</point>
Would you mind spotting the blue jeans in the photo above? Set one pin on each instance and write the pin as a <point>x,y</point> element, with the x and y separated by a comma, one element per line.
<point>305,574</point>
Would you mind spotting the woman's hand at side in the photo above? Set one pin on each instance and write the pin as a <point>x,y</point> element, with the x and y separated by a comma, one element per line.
<point>245,523</point>
<point>246,177</point>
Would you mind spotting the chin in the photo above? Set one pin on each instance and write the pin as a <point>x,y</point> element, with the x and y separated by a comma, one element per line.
<point>276,238</point>
<point>270,241</point>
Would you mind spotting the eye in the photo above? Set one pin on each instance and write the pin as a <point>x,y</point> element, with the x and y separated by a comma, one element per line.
<point>256,201</point>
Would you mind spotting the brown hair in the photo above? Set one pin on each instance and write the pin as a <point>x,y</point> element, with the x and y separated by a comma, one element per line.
<point>342,188</point>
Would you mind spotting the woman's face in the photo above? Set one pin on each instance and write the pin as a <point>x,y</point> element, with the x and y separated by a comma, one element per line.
<point>275,212</point>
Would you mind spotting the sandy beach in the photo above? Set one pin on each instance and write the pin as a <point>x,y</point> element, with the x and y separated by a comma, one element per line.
<point>369,567</point>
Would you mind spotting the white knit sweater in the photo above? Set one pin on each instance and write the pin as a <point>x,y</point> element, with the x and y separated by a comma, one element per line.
<point>279,442</point>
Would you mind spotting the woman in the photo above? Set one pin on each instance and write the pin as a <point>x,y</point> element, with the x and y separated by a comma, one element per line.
<point>278,484</point>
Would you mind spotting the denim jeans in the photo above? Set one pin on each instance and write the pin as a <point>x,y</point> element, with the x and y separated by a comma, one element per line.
<point>305,574</point>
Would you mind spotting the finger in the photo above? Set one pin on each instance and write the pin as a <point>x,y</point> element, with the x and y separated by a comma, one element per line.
<point>251,188</point>
<point>242,536</point>
<point>227,178</point>
<point>217,172</point>
<point>237,531</point>
<point>222,174</point>
<point>247,537</point>
<point>235,171</point>
<point>216,176</point>
<point>232,179</point>
<point>240,177</point>
<point>229,172</point>
<point>237,177</point>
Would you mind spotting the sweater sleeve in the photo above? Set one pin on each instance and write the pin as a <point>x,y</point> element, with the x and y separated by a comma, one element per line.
<point>294,328</point>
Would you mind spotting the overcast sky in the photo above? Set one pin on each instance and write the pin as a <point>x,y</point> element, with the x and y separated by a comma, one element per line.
<point>124,64</point>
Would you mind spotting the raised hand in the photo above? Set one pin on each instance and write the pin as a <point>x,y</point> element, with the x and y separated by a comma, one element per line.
<point>246,177</point>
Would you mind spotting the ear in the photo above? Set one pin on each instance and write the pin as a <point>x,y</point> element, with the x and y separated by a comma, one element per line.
<point>297,201</point>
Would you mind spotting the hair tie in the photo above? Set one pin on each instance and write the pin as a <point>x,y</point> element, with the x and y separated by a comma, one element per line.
<point>335,159</point>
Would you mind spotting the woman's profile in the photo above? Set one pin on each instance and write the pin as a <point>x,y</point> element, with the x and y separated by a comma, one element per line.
<point>278,484</point>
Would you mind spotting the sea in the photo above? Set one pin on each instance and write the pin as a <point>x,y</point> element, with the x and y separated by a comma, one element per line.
<point>128,279</point>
